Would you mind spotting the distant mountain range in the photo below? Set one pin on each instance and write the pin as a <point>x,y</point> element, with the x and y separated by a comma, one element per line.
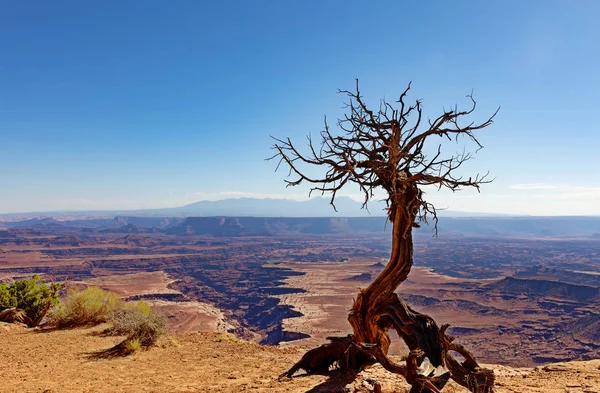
<point>489,227</point>
<point>253,207</point>
<point>244,207</point>
<point>252,216</point>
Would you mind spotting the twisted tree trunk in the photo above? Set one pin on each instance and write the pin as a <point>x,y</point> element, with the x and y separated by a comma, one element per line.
<point>364,316</point>
<point>377,309</point>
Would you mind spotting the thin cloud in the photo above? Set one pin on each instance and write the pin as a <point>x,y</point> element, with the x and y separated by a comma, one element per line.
<point>567,188</point>
<point>215,196</point>
<point>534,186</point>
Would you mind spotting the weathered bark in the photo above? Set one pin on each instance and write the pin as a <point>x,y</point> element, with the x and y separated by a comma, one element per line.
<point>14,315</point>
<point>378,309</point>
<point>321,359</point>
<point>364,316</point>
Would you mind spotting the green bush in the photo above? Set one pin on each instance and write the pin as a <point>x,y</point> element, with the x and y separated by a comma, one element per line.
<point>31,296</point>
<point>87,307</point>
<point>138,322</point>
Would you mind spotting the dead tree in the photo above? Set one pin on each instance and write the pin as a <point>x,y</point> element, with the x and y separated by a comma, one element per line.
<point>386,149</point>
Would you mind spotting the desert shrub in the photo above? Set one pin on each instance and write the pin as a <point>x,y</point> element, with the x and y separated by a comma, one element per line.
<point>133,344</point>
<point>139,322</point>
<point>87,307</point>
<point>31,298</point>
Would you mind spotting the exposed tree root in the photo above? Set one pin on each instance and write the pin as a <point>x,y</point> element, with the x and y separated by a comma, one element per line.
<point>12,315</point>
<point>429,365</point>
<point>321,359</point>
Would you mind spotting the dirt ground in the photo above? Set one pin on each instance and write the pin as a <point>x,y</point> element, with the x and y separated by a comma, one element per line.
<point>63,361</point>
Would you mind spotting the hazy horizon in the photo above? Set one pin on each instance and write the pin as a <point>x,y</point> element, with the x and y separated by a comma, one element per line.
<point>375,209</point>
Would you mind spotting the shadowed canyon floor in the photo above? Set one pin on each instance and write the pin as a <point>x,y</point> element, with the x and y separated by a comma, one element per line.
<point>59,361</point>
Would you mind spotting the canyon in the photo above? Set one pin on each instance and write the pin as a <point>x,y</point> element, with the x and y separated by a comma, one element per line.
<point>519,292</point>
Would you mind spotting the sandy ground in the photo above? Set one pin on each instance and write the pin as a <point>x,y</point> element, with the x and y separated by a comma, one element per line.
<point>59,361</point>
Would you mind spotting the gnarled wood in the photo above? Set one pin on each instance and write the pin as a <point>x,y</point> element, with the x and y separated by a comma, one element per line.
<point>381,149</point>
<point>321,359</point>
<point>14,315</point>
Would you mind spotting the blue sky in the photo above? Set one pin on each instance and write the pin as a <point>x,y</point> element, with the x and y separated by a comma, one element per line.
<point>136,104</point>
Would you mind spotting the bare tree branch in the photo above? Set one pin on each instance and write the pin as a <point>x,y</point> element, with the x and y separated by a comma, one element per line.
<point>384,149</point>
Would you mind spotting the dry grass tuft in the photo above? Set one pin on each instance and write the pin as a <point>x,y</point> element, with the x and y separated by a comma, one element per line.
<point>87,307</point>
